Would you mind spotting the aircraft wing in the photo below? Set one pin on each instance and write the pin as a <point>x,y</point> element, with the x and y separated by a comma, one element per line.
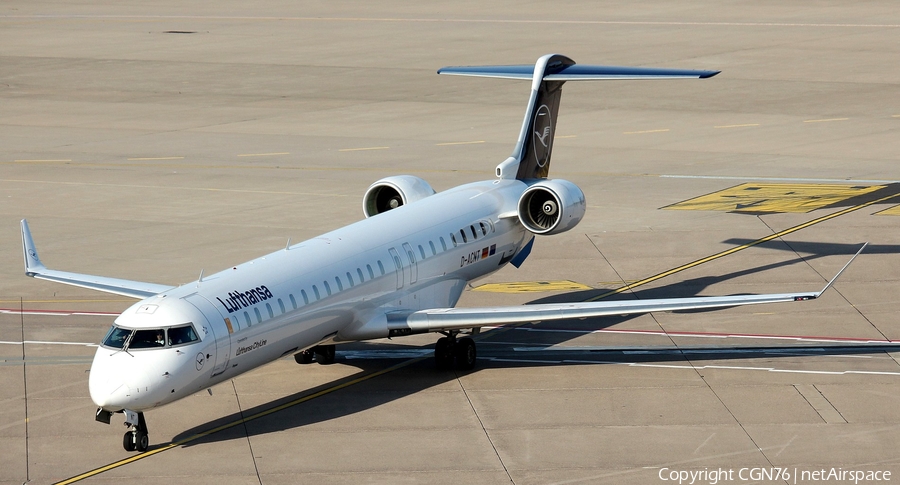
<point>36,269</point>
<point>442,319</point>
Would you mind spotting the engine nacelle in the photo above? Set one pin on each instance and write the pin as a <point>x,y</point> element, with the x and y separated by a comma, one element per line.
<point>392,192</point>
<point>551,206</point>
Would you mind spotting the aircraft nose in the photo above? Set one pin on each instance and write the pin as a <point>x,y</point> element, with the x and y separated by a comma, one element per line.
<point>106,386</point>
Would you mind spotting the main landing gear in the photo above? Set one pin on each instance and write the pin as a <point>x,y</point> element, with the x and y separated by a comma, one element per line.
<point>136,438</point>
<point>449,349</point>
<point>323,354</point>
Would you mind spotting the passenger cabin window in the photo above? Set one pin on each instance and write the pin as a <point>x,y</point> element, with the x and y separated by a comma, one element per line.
<point>269,309</point>
<point>247,319</point>
<point>305,298</point>
<point>350,279</point>
<point>182,335</point>
<point>258,315</point>
<point>381,267</point>
<point>359,273</point>
<point>453,240</point>
<point>281,305</point>
<point>443,244</point>
<point>431,244</point>
<point>316,291</point>
<point>422,251</point>
<point>371,273</point>
<point>327,287</point>
<point>293,301</point>
<point>340,286</point>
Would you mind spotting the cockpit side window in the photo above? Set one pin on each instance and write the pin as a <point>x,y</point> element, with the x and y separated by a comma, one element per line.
<point>116,337</point>
<point>148,339</point>
<point>182,335</point>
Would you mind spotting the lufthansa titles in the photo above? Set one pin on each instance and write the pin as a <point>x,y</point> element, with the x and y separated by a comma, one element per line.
<point>242,299</point>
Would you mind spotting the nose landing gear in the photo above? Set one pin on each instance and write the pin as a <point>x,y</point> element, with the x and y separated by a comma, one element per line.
<point>137,437</point>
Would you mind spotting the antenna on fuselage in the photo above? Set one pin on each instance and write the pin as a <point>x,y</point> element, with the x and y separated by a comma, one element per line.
<point>200,279</point>
<point>288,246</point>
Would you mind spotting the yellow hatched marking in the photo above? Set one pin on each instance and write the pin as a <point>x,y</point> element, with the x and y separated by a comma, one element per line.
<point>532,286</point>
<point>755,197</point>
<point>892,211</point>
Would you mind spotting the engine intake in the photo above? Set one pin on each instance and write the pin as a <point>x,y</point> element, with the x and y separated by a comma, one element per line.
<point>551,206</point>
<point>392,192</point>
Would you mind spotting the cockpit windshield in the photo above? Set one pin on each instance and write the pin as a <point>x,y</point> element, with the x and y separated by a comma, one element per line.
<point>126,338</point>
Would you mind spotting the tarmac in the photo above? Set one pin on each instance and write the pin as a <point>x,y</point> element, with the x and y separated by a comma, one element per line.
<point>153,142</point>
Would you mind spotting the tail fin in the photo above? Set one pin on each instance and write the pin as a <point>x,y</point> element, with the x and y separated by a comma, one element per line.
<point>530,158</point>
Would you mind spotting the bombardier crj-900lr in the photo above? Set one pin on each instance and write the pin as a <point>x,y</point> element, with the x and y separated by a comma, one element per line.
<point>399,271</point>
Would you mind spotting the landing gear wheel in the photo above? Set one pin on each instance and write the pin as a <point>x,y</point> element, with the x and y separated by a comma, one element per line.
<point>443,353</point>
<point>143,441</point>
<point>128,441</point>
<point>304,357</point>
<point>324,354</point>
<point>465,353</point>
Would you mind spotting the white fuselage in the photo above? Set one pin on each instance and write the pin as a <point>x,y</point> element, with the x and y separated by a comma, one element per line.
<point>335,288</point>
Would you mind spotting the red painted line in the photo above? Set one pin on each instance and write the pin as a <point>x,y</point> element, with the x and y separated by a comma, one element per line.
<point>63,313</point>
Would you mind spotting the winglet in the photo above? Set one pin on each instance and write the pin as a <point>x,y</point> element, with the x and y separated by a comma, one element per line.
<point>841,271</point>
<point>33,263</point>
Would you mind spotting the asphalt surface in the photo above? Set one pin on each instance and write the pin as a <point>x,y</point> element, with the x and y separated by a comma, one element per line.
<point>153,142</point>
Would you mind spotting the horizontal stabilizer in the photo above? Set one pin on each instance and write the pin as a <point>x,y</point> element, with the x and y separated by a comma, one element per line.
<point>577,72</point>
<point>530,158</point>
<point>36,269</point>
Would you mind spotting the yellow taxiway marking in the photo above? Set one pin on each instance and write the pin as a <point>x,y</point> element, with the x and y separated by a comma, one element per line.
<point>645,131</point>
<point>566,136</point>
<point>531,286</point>
<point>737,126</point>
<point>895,116</point>
<point>757,197</point>
<point>43,161</point>
<point>362,149</point>
<point>263,154</point>
<point>143,159</point>
<point>459,143</point>
<point>892,211</point>
<point>826,120</point>
<point>740,248</point>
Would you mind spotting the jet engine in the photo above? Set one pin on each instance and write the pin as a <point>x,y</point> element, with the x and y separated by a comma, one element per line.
<point>392,192</point>
<point>551,206</point>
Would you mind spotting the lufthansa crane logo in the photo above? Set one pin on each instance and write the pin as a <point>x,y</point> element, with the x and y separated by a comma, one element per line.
<point>543,135</point>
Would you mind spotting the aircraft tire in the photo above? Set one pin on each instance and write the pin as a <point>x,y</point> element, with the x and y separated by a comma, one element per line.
<point>465,354</point>
<point>325,354</point>
<point>128,441</point>
<point>304,357</point>
<point>443,353</point>
<point>143,442</point>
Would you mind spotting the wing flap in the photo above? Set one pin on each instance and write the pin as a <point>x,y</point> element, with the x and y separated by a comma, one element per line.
<point>36,269</point>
